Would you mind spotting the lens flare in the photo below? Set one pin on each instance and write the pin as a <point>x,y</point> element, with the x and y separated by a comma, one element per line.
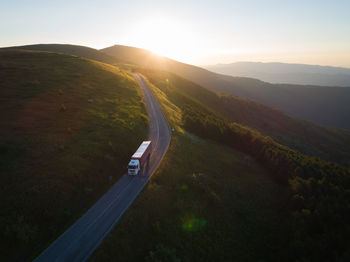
<point>194,224</point>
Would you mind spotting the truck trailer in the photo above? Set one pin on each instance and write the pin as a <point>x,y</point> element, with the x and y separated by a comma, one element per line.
<point>139,158</point>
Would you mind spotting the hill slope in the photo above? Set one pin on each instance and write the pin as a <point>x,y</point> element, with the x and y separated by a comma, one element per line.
<point>299,74</point>
<point>76,50</point>
<point>309,138</point>
<point>317,226</point>
<point>215,197</point>
<point>325,105</point>
<point>68,127</point>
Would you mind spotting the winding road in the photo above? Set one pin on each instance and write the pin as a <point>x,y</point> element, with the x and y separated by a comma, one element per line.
<point>80,240</point>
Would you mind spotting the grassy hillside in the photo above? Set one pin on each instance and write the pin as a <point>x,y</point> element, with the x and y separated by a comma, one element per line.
<point>311,139</point>
<point>68,127</point>
<point>206,202</point>
<point>318,205</point>
<point>324,105</point>
<point>76,50</point>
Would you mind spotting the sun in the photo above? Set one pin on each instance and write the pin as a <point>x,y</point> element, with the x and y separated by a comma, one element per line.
<point>165,37</point>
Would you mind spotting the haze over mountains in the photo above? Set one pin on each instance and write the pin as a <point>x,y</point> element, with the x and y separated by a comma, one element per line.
<point>299,74</point>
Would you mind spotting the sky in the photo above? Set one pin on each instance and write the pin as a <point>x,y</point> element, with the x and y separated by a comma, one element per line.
<point>197,32</point>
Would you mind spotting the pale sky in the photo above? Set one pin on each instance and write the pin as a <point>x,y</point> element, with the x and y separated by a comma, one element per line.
<point>198,32</point>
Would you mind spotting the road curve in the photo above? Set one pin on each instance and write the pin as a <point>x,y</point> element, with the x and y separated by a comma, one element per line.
<point>80,240</point>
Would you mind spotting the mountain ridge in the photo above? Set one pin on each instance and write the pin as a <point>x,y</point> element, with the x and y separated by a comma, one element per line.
<point>77,50</point>
<point>289,73</point>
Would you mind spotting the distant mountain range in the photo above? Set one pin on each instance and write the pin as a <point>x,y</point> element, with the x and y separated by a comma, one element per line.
<point>299,74</point>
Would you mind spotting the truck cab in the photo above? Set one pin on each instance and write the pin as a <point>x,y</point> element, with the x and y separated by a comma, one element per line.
<point>133,167</point>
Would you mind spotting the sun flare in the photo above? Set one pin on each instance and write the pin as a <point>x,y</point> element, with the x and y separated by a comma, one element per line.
<point>166,38</point>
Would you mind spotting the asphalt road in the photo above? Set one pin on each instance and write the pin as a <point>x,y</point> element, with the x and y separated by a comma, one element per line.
<point>79,241</point>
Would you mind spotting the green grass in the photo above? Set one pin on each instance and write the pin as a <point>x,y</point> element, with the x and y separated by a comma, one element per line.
<point>68,127</point>
<point>206,202</point>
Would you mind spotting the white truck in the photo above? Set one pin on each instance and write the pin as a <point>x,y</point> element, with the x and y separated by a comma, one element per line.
<point>139,158</point>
